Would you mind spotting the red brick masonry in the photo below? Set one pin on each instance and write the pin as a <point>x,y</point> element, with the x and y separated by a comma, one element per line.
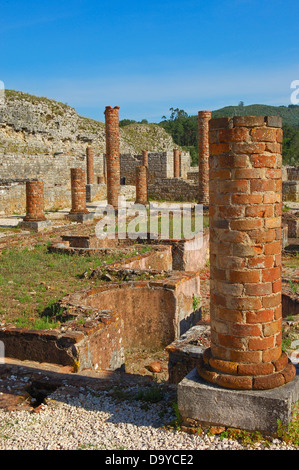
<point>203,156</point>
<point>112,155</point>
<point>78,191</point>
<point>145,158</point>
<point>89,165</point>
<point>245,255</point>
<point>176,163</point>
<point>34,201</point>
<point>141,185</point>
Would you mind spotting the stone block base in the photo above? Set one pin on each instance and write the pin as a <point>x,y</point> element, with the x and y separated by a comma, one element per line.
<point>81,218</point>
<point>205,404</point>
<point>36,226</point>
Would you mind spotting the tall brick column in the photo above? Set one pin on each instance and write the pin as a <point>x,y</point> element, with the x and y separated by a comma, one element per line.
<point>245,256</point>
<point>141,185</point>
<point>89,165</point>
<point>145,158</point>
<point>78,192</point>
<point>112,155</point>
<point>176,163</point>
<point>203,156</point>
<point>34,201</point>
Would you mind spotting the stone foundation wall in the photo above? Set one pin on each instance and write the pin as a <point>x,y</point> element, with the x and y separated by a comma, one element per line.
<point>173,189</point>
<point>292,173</point>
<point>159,165</point>
<point>52,169</point>
<point>161,307</point>
<point>290,191</point>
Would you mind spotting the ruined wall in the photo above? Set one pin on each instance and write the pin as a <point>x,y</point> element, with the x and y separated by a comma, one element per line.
<point>290,185</point>
<point>160,165</point>
<point>292,173</point>
<point>52,169</point>
<point>173,189</point>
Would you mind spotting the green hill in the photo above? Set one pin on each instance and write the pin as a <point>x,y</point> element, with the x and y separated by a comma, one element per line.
<point>184,128</point>
<point>289,114</point>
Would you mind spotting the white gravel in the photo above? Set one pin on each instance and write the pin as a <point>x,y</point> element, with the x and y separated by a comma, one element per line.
<point>96,421</point>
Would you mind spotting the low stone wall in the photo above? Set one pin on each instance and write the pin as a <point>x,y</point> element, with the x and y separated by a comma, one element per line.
<point>13,196</point>
<point>179,255</point>
<point>52,169</point>
<point>292,221</point>
<point>292,173</point>
<point>97,343</point>
<point>173,189</point>
<point>290,191</point>
<point>185,352</point>
<point>154,311</point>
<point>160,164</point>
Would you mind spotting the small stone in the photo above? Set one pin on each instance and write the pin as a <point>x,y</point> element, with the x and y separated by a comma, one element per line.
<point>217,429</point>
<point>155,367</point>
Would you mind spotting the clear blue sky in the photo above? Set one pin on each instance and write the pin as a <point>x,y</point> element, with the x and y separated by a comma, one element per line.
<point>149,56</point>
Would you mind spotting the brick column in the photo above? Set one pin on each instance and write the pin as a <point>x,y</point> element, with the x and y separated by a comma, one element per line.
<point>203,156</point>
<point>141,185</point>
<point>78,192</point>
<point>89,165</point>
<point>34,201</point>
<point>145,158</point>
<point>112,155</point>
<point>176,163</point>
<point>245,256</point>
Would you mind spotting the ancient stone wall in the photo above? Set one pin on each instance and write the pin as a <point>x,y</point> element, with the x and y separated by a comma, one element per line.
<point>292,173</point>
<point>52,169</point>
<point>160,165</point>
<point>290,186</point>
<point>173,189</point>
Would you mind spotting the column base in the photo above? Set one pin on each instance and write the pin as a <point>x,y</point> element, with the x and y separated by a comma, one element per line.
<point>233,375</point>
<point>205,404</point>
<point>35,225</point>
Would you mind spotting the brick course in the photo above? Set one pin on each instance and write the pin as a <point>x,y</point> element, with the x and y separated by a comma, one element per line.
<point>78,191</point>
<point>176,163</point>
<point>141,185</point>
<point>145,158</point>
<point>203,156</point>
<point>89,165</point>
<point>112,155</point>
<point>34,201</point>
<point>245,234</point>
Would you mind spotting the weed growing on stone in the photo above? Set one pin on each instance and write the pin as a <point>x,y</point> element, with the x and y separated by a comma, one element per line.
<point>246,438</point>
<point>290,433</point>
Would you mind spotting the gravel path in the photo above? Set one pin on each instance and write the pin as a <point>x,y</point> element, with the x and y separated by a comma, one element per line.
<point>96,420</point>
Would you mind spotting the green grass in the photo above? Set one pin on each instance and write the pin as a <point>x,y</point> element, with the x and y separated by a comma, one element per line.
<point>32,281</point>
<point>290,433</point>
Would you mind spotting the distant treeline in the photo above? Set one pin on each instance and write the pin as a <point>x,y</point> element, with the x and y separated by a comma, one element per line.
<point>184,128</point>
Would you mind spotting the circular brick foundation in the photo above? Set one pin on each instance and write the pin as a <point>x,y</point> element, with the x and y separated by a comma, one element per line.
<point>112,155</point>
<point>141,185</point>
<point>245,255</point>
<point>203,156</point>
<point>78,188</point>
<point>34,201</point>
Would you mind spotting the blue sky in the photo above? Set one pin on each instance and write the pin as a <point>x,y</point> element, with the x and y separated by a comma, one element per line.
<point>149,56</point>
